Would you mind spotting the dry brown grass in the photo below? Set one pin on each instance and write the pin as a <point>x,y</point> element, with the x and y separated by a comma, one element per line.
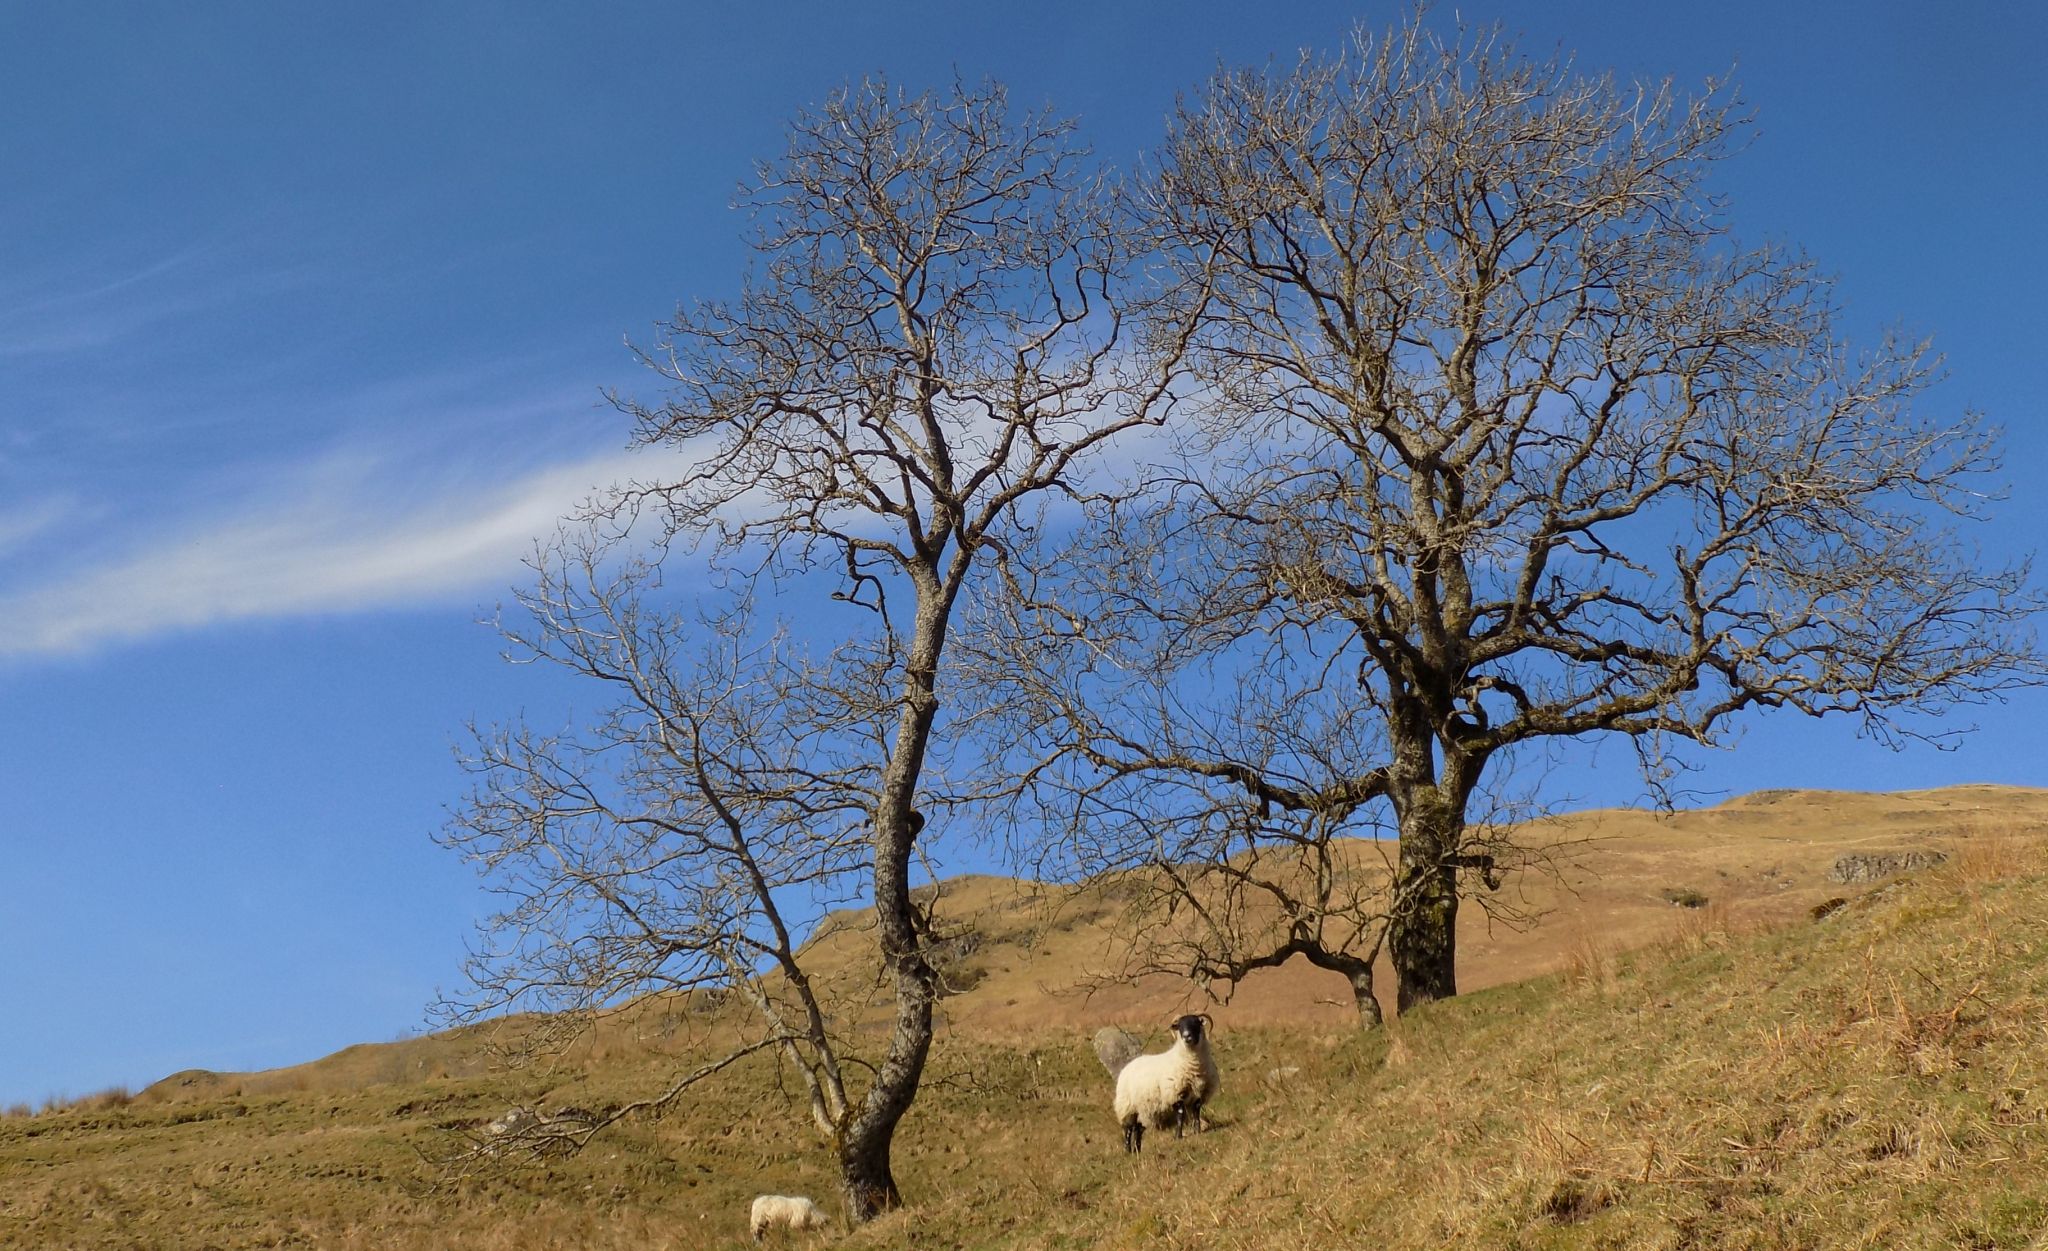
<point>1711,925</point>
<point>1588,962</point>
<point>1993,851</point>
<point>1763,857</point>
<point>98,1101</point>
<point>1732,1079</point>
<point>1876,1082</point>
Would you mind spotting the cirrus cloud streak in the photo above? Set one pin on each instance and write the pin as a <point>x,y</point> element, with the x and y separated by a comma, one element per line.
<point>339,537</point>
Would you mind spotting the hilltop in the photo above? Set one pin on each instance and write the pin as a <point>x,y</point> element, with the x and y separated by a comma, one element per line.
<point>1628,1073</point>
<point>1763,859</point>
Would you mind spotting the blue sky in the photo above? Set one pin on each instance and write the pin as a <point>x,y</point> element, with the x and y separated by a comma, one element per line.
<point>304,314</point>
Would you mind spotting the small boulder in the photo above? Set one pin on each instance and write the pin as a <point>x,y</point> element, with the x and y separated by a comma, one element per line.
<point>514,1121</point>
<point>1116,1048</point>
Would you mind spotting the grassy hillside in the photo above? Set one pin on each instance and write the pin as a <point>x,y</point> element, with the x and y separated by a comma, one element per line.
<point>1738,1075</point>
<point>1761,859</point>
<point>1872,1080</point>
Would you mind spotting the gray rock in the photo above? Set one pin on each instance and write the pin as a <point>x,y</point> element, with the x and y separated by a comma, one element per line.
<point>1116,1048</point>
<point>1870,866</point>
<point>518,1120</point>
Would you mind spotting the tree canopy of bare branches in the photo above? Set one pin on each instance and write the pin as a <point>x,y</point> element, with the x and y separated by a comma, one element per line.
<point>935,336</point>
<point>1504,440</point>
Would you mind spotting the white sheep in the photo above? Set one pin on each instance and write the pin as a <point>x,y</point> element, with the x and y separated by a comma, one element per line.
<point>783,1211</point>
<point>1167,1087</point>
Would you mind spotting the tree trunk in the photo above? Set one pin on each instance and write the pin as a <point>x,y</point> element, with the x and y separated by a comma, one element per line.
<point>864,1170</point>
<point>865,1174</point>
<point>1422,937</point>
<point>865,1180</point>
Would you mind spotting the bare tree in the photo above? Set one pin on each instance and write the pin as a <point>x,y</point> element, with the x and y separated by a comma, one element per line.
<point>935,337</point>
<point>1508,441</point>
<point>661,847</point>
<point>1209,780</point>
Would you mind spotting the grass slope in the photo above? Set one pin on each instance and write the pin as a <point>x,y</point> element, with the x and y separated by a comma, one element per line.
<point>1877,1079</point>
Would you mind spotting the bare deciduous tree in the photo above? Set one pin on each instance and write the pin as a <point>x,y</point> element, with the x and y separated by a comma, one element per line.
<point>1507,441</point>
<point>1210,780</point>
<point>661,847</point>
<point>935,337</point>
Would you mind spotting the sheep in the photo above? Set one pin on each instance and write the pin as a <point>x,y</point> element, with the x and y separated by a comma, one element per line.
<point>785,1211</point>
<point>1168,1086</point>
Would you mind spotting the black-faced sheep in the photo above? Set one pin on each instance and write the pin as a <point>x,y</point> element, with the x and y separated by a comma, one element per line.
<point>1167,1087</point>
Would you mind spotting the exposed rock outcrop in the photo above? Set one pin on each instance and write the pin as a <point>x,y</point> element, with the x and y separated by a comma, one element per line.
<point>1866,866</point>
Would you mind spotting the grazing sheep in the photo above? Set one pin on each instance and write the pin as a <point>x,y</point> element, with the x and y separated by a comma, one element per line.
<point>783,1211</point>
<point>1167,1087</point>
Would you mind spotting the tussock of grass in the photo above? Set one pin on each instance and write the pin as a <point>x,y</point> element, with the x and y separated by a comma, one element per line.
<point>1987,851</point>
<point>99,1100</point>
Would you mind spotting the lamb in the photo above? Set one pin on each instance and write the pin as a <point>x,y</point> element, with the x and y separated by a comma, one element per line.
<point>784,1211</point>
<point>1168,1086</point>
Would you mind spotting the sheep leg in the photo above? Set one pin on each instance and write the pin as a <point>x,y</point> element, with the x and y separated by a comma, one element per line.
<point>1201,1126</point>
<point>1134,1136</point>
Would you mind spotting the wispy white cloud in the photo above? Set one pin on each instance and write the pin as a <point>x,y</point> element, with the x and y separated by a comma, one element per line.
<point>21,524</point>
<point>346,534</point>
<point>67,311</point>
<point>428,489</point>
